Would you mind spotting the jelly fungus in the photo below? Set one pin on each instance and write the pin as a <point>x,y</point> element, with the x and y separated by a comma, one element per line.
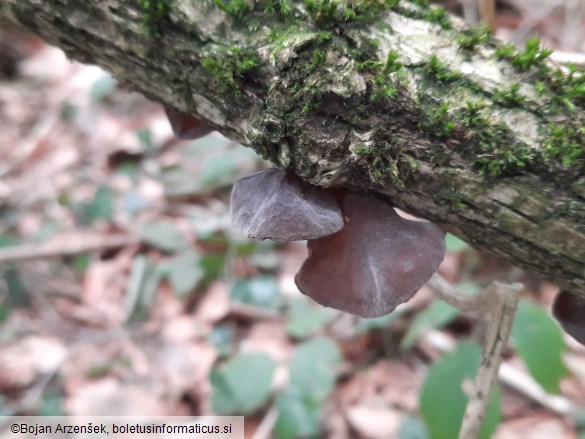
<point>377,261</point>
<point>569,310</point>
<point>278,205</point>
<point>185,126</point>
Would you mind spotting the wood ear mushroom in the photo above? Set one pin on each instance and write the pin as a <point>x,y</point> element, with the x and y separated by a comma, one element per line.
<point>377,261</point>
<point>278,205</point>
<point>185,126</point>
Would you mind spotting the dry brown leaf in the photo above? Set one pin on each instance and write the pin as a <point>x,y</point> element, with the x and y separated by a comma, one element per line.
<point>215,303</point>
<point>374,422</point>
<point>538,425</point>
<point>23,361</point>
<point>109,397</point>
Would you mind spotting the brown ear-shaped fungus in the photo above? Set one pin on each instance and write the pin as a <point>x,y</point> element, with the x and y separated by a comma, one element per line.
<point>377,261</point>
<point>277,205</point>
<point>185,126</point>
<point>569,310</point>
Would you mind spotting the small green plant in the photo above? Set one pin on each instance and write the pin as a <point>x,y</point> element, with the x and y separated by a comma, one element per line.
<point>509,96</point>
<point>382,83</point>
<point>471,116</point>
<point>498,158</point>
<point>229,67</point>
<point>439,71</point>
<point>570,86</point>
<point>438,15</point>
<point>281,7</point>
<point>506,51</point>
<point>318,57</point>
<point>155,12</point>
<point>565,143</point>
<point>532,55</point>
<point>472,37</point>
<point>233,8</point>
<point>438,121</point>
<point>329,12</point>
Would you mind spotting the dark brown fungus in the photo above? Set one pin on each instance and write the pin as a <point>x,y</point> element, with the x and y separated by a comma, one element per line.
<point>277,205</point>
<point>185,126</point>
<point>377,261</point>
<point>569,310</point>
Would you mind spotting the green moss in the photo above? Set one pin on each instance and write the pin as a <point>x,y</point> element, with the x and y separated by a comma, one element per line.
<point>439,16</point>
<point>435,14</point>
<point>470,38</point>
<point>284,8</point>
<point>570,87</point>
<point>234,8</point>
<point>566,144</point>
<point>437,122</point>
<point>509,96</point>
<point>327,13</point>
<point>455,198</point>
<point>506,51</point>
<point>382,85</point>
<point>318,57</point>
<point>363,150</point>
<point>500,159</point>
<point>471,116</point>
<point>386,163</point>
<point>230,66</point>
<point>439,71</point>
<point>155,13</point>
<point>532,55</point>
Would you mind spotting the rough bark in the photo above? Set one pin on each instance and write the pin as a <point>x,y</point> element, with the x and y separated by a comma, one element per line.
<point>395,100</point>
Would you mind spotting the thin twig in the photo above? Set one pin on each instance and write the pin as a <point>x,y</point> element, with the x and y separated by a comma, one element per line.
<point>510,376</point>
<point>265,428</point>
<point>499,328</point>
<point>66,246</point>
<point>483,301</point>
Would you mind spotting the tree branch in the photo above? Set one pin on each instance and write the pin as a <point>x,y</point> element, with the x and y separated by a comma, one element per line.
<point>500,323</point>
<point>374,97</point>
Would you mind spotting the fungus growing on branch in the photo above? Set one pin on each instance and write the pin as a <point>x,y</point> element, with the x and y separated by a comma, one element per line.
<point>569,310</point>
<point>278,205</point>
<point>185,126</point>
<point>377,261</point>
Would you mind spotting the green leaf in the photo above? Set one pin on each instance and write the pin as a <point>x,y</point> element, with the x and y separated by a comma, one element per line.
<point>298,416</point>
<point>222,338</point>
<point>493,415</point>
<point>313,367</point>
<point>305,320</point>
<point>18,295</point>
<point>242,385</point>
<point>101,207</point>
<point>145,138</point>
<point>437,315</point>
<point>442,401</point>
<point>81,263</point>
<point>163,235</point>
<point>218,170</point>
<point>539,341</point>
<point>261,291</point>
<point>367,324</point>
<point>8,240</point>
<point>454,244</point>
<point>212,265</point>
<point>412,427</point>
<point>184,272</point>
<point>4,312</point>
<point>142,287</point>
<point>102,87</point>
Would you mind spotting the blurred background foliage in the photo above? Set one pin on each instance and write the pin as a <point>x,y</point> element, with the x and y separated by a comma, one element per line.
<point>125,285</point>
